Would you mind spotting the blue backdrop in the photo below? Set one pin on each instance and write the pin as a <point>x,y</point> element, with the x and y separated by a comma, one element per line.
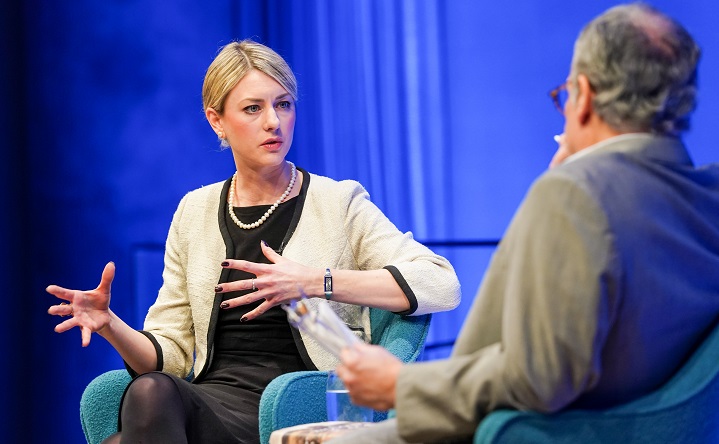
<point>439,108</point>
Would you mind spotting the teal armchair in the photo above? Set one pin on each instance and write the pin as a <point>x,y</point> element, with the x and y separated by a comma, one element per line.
<point>299,398</point>
<point>100,403</point>
<point>684,410</point>
<point>291,399</point>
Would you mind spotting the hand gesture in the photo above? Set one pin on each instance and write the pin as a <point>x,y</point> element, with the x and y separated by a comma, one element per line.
<point>89,310</point>
<point>277,283</point>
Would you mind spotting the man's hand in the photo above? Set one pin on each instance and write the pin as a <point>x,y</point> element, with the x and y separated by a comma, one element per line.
<point>370,374</point>
<point>561,153</point>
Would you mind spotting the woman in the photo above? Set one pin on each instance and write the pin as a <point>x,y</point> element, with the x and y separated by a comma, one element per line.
<point>235,252</point>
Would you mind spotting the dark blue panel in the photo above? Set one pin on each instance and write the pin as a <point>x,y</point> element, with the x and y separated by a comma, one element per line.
<point>117,136</point>
<point>15,264</point>
<point>148,263</point>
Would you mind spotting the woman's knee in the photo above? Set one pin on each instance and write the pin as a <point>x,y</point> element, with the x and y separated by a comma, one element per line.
<point>151,391</point>
<point>152,410</point>
<point>112,439</point>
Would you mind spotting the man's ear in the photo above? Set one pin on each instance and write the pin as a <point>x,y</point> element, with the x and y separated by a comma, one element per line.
<point>585,96</point>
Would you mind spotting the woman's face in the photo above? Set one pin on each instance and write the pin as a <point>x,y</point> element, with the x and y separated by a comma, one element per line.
<point>259,120</point>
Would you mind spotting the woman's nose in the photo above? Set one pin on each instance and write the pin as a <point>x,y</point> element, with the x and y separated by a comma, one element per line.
<point>272,120</point>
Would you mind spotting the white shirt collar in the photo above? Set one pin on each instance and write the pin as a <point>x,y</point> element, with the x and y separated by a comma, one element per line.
<point>599,145</point>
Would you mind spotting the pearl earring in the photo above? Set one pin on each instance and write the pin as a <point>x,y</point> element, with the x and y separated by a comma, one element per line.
<point>220,134</point>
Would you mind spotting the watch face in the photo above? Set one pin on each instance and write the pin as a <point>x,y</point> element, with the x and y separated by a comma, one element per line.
<point>328,283</point>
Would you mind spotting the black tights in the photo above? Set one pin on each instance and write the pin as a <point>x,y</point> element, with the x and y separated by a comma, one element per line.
<point>152,412</point>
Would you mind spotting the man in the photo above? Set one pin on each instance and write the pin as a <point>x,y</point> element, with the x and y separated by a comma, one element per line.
<point>606,279</point>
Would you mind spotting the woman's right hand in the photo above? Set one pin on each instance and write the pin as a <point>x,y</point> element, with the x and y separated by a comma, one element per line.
<point>89,310</point>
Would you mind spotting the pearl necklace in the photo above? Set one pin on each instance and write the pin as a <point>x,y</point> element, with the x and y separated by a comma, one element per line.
<point>260,221</point>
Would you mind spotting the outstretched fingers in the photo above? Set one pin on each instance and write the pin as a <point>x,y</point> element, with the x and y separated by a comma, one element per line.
<point>240,300</point>
<point>269,253</point>
<point>73,322</point>
<point>61,309</point>
<point>260,310</point>
<point>60,292</point>
<point>108,274</point>
<point>88,310</point>
<point>86,335</point>
<point>66,325</point>
<point>242,265</point>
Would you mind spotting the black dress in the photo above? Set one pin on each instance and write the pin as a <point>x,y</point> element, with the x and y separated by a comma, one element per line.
<point>223,404</point>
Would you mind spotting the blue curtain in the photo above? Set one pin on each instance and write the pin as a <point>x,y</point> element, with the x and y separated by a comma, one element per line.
<point>370,81</point>
<point>16,333</point>
<point>439,108</point>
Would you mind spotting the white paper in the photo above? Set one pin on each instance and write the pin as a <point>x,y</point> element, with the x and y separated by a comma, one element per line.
<point>323,325</point>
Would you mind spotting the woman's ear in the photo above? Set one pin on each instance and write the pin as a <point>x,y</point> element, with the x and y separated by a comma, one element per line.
<point>214,119</point>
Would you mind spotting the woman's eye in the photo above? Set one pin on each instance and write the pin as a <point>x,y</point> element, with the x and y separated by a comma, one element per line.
<point>285,104</point>
<point>252,109</point>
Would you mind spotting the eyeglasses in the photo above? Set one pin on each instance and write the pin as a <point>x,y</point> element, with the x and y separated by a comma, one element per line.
<point>559,97</point>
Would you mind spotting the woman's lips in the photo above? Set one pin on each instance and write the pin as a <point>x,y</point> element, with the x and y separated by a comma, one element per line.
<point>273,144</point>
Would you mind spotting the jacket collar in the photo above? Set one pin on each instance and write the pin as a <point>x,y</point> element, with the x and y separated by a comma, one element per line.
<point>661,149</point>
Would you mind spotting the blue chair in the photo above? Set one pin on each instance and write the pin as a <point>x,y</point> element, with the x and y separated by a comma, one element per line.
<point>299,398</point>
<point>684,410</point>
<point>100,403</point>
<point>291,399</point>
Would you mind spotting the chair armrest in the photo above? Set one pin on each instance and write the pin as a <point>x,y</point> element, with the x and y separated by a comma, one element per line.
<point>672,423</point>
<point>404,337</point>
<point>682,410</point>
<point>504,426</point>
<point>296,398</point>
<point>299,397</point>
<point>291,399</point>
<point>100,403</point>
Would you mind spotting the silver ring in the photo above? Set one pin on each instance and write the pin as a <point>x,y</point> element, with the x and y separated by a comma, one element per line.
<point>253,285</point>
<point>72,312</point>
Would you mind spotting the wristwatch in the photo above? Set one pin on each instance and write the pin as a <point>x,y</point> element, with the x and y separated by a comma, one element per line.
<point>328,284</point>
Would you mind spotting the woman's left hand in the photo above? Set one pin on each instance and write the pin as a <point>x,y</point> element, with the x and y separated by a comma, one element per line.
<point>277,283</point>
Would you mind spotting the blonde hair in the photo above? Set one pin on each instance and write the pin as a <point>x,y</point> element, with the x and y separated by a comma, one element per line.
<point>233,62</point>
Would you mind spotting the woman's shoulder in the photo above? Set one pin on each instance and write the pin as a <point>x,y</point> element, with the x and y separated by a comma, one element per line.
<point>328,186</point>
<point>205,191</point>
<point>202,198</point>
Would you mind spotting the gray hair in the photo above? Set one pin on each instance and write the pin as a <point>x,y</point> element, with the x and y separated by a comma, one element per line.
<point>642,66</point>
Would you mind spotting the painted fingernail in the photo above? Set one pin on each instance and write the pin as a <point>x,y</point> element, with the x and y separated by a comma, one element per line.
<point>218,289</point>
<point>224,305</point>
<point>243,319</point>
<point>225,264</point>
<point>265,243</point>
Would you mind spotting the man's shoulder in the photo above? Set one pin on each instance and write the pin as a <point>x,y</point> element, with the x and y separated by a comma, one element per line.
<point>597,172</point>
